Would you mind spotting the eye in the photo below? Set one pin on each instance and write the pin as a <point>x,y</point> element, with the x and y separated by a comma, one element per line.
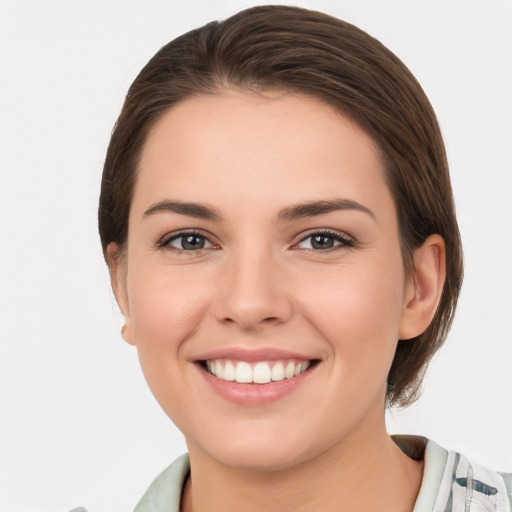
<point>324,241</point>
<point>188,241</point>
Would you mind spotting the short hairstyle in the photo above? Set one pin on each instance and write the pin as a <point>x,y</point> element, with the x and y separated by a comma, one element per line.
<point>293,49</point>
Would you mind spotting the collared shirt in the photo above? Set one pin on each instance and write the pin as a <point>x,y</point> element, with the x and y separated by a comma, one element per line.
<point>451,483</point>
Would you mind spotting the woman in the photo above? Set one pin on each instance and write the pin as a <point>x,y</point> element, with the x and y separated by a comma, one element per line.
<point>277,216</point>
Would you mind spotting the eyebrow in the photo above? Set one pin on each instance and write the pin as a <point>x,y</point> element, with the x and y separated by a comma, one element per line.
<point>313,208</point>
<point>197,210</point>
<point>290,213</point>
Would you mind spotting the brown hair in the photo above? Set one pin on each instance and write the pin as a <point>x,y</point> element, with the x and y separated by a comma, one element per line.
<point>294,49</point>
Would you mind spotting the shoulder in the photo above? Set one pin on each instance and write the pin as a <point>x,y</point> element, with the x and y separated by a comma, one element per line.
<point>507,478</point>
<point>164,493</point>
<point>456,483</point>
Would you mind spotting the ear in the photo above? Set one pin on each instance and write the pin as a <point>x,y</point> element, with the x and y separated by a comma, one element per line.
<point>117,269</point>
<point>424,289</point>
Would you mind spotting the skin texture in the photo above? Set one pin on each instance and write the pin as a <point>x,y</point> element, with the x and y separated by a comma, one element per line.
<point>258,283</point>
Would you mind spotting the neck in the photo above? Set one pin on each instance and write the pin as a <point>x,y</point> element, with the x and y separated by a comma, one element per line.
<point>374,475</point>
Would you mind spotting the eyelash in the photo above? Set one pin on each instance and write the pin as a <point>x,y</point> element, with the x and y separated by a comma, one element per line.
<point>344,241</point>
<point>164,242</point>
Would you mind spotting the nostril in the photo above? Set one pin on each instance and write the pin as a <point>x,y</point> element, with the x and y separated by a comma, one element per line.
<point>248,323</point>
<point>252,307</point>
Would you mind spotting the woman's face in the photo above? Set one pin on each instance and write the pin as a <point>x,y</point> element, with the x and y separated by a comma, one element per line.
<point>263,243</point>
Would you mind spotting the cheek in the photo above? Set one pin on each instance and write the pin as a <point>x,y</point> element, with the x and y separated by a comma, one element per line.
<point>358,311</point>
<point>166,307</point>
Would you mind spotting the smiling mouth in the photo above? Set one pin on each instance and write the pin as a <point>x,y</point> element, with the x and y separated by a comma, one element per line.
<point>261,372</point>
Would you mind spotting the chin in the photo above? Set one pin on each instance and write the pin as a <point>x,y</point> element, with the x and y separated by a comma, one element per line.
<point>255,460</point>
<point>256,453</point>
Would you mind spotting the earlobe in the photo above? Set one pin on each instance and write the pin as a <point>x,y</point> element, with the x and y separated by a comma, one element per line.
<point>127,332</point>
<point>424,290</point>
<point>118,283</point>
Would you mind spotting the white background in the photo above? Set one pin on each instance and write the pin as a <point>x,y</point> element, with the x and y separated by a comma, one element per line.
<point>77,423</point>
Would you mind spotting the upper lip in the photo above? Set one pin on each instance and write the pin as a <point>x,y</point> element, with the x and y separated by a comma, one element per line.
<point>244,354</point>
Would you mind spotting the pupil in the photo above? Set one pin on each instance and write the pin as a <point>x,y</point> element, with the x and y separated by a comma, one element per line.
<point>192,242</point>
<point>322,242</point>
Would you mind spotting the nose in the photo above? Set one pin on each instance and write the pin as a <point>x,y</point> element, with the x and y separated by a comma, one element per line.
<point>254,293</point>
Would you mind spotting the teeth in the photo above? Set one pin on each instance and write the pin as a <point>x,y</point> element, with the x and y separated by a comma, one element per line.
<point>278,372</point>
<point>290,370</point>
<point>261,373</point>
<point>243,372</point>
<point>229,372</point>
<point>219,371</point>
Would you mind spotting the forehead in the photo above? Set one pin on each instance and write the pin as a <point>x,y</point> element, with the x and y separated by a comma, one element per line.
<point>275,147</point>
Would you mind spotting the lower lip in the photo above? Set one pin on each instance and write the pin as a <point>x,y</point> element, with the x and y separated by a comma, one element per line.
<point>255,394</point>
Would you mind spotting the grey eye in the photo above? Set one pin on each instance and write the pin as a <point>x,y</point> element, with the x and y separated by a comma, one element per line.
<point>189,242</point>
<point>325,241</point>
<point>322,242</point>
